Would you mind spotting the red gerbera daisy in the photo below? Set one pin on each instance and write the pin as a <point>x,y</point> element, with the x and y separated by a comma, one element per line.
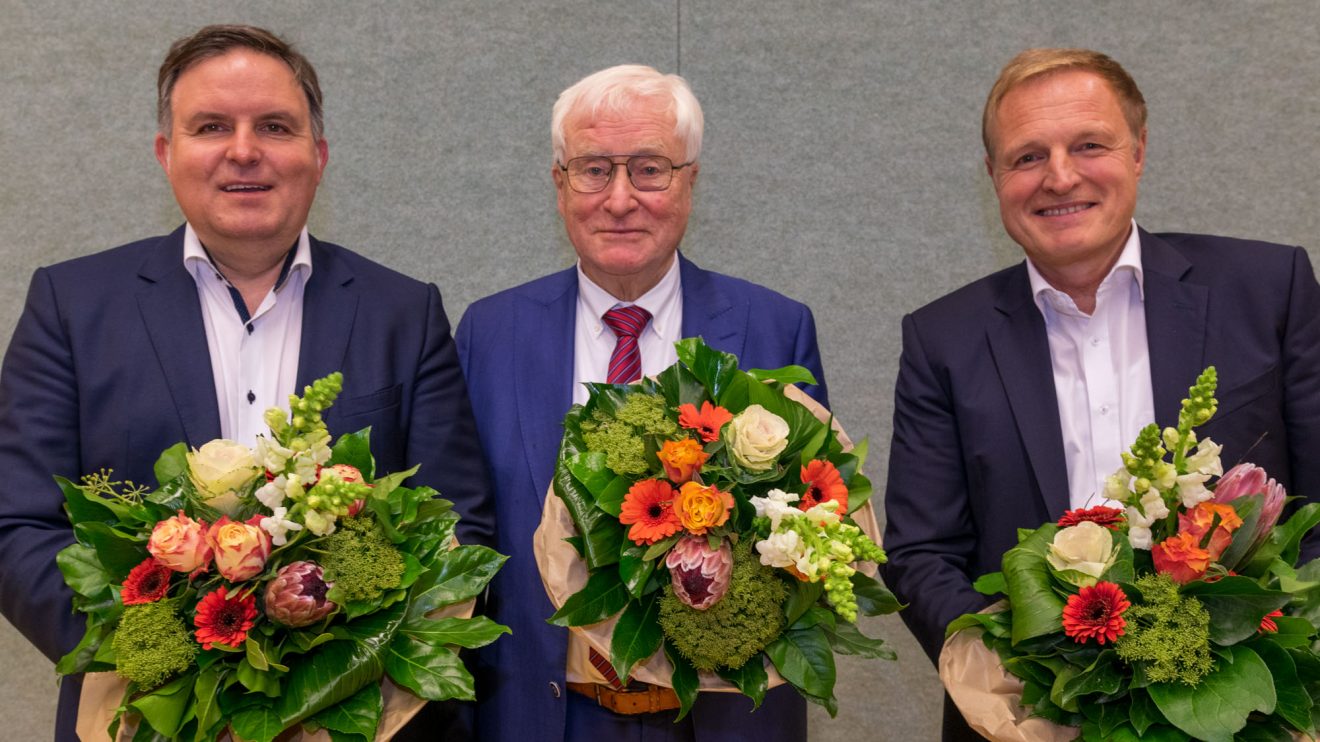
<point>146,583</point>
<point>1267,623</point>
<point>1096,613</point>
<point>1100,515</point>
<point>707,422</point>
<point>649,507</point>
<point>221,619</point>
<point>823,484</point>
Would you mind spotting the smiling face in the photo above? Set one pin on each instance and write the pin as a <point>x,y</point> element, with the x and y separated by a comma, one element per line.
<point>240,154</point>
<point>625,238</point>
<point>1065,166</point>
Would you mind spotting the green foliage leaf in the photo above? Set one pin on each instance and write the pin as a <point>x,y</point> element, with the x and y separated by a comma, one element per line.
<point>601,534</point>
<point>635,569</point>
<point>358,714</point>
<point>603,596</point>
<point>1294,703</point>
<point>1218,707</point>
<point>257,724</point>
<point>1036,606</point>
<point>461,573</point>
<point>847,638</point>
<point>165,708</point>
<point>207,692</point>
<point>116,551</point>
<point>715,370</point>
<point>997,624</point>
<point>1285,539</point>
<point>684,680</point>
<point>469,633</point>
<point>354,449</point>
<point>1236,605</point>
<point>873,598</point>
<point>173,463</point>
<point>433,673</point>
<point>80,507</point>
<point>1104,676</point>
<point>804,658</point>
<point>783,375</point>
<point>82,570</point>
<point>992,583</point>
<point>265,682</point>
<point>637,635</point>
<point>801,597</point>
<point>752,679</point>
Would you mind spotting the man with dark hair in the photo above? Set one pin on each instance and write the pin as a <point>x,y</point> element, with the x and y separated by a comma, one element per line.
<point>1017,393</point>
<point>191,336</point>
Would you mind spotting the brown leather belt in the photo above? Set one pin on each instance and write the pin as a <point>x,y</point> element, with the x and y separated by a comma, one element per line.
<point>638,698</point>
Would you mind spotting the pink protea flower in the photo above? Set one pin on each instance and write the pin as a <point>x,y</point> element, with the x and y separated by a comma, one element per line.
<point>296,597</point>
<point>699,574</point>
<point>1249,479</point>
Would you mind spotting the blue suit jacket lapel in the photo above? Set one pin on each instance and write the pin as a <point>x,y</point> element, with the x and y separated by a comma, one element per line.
<point>710,314</point>
<point>172,313</point>
<point>542,365</point>
<point>1021,354</point>
<point>329,308</point>
<point>1175,325</point>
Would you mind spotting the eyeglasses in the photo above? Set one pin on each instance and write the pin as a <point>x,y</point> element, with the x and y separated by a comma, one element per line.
<point>593,173</point>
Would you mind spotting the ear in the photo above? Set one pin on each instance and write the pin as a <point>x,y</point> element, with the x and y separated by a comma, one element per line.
<point>989,167</point>
<point>163,152</point>
<point>1139,152</point>
<point>692,177</point>
<point>561,185</point>
<point>322,155</point>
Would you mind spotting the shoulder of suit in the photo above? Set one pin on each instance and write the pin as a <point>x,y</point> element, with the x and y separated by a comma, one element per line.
<point>543,290</point>
<point>741,289</point>
<point>361,267</point>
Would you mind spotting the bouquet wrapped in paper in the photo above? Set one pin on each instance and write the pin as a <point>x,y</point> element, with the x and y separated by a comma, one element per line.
<point>1180,614</point>
<point>261,589</point>
<point>707,529</point>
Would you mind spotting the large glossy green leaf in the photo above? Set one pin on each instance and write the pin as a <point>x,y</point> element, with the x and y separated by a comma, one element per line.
<point>166,708</point>
<point>635,569</point>
<point>1248,509</point>
<point>715,370</point>
<point>637,635</point>
<point>358,714</point>
<point>603,596</point>
<point>172,463</point>
<point>680,387</point>
<point>462,573</point>
<point>601,533</point>
<point>783,375</point>
<point>684,680</point>
<point>801,597</point>
<point>431,672</point>
<point>873,598</point>
<point>1236,605</point>
<point>83,571</point>
<point>80,507</point>
<point>1104,676</point>
<point>1284,540</point>
<point>752,678</point>
<point>207,692</point>
<point>354,449</point>
<point>589,468</point>
<point>1219,705</point>
<point>81,657</point>
<point>1294,702</point>
<point>470,633</point>
<point>117,552</point>
<point>1037,608</point>
<point>804,658</point>
<point>257,724</point>
<point>847,638</point>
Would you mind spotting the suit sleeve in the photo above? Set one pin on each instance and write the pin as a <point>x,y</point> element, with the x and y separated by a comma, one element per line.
<point>807,354</point>
<point>442,434</point>
<point>39,437</point>
<point>929,534</point>
<point>1301,385</point>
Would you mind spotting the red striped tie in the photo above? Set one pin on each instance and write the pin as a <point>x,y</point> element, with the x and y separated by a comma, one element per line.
<point>626,360</point>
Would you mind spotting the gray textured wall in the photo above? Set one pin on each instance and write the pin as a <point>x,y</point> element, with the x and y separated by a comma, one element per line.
<point>842,165</point>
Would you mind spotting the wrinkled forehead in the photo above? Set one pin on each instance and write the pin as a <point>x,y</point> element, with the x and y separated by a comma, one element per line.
<point>639,125</point>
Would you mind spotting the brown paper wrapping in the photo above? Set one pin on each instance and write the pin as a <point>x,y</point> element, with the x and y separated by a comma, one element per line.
<point>563,573</point>
<point>102,693</point>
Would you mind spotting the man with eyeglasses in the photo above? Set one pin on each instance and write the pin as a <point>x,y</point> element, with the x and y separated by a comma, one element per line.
<point>626,146</point>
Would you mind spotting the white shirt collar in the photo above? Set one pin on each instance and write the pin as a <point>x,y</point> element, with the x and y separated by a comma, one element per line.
<point>196,259</point>
<point>597,301</point>
<point>1129,263</point>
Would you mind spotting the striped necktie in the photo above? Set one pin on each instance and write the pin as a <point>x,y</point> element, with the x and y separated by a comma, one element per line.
<point>626,360</point>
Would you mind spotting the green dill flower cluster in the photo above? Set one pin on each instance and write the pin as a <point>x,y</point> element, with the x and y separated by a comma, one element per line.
<point>360,561</point>
<point>622,436</point>
<point>1167,633</point>
<point>742,623</point>
<point>101,485</point>
<point>152,644</point>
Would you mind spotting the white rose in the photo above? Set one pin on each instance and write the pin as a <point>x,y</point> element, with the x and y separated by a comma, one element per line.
<point>1087,548</point>
<point>756,438</point>
<point>221,470</point>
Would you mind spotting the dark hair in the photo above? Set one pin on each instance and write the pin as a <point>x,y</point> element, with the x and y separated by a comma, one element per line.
<point>215,41</point>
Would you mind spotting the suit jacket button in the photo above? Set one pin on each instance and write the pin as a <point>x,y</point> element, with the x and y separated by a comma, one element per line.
<point>554,688</point>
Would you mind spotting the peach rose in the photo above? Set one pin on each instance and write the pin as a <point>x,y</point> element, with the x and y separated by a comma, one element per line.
<point>1196,522</point>
<point>700,507</point>
<point>179,542</point>
<point>682,459</point>
<point>240,548</point>
<point>1181,557</point>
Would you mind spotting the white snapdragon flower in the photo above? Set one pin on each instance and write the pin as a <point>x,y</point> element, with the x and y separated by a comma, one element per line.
<point>1139,537</point>
<point>823,513</point>
<point>1154,506</point>
<point>271,494</point>
<point>807,565</point>
<point>1191,489</point>
<point>775,505</point>
<point>277,525</point>
<point>304,465</point>
<point>319,523</point>
<point>271,454</point>
<point>1118,486</point>
<point>780,549</point>
<point>1206,459</point>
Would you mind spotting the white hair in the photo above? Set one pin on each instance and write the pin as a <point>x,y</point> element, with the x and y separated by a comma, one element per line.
<point>613,90</point>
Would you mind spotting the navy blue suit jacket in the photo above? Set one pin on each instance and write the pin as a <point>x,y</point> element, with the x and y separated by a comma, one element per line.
<point>108,366</point>
<point>517,352</point>
<point>977,450</point>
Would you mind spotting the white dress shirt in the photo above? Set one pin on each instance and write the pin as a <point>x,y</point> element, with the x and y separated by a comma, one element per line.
<point>254,360</point>
<point>1101,368</point>
<point>593,341</point>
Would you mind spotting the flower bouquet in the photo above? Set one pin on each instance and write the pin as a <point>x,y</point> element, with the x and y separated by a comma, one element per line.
<point>704,530</point>
<point>1181,616</point>
<point>259,589</point>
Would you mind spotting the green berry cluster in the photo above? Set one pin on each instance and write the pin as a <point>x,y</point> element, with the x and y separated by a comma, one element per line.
<point>1167,633</point>
<point>360,561</point>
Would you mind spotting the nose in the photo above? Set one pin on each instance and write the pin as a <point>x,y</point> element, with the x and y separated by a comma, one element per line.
<point>243,147</point>
<point>1061,173</point>
<point>620,196</point>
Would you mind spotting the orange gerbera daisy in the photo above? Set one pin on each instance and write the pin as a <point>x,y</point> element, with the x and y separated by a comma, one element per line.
<point>649,509</point>
<point>146,583</point>
<point>824,483</point>
<point>1096,612</point>
<point>221,619</point>
<point>707,422</point>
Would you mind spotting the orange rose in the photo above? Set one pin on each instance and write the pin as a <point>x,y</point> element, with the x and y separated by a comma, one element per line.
<point>682,459</point>
<point>240,548</point>
<point>700,507</point>
<point>1181,557</point>
<point>179,542</point>
<point>1196,522</point>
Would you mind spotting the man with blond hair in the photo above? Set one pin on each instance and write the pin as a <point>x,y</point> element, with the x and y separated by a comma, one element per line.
<point>626,147</point>
<point>192,336</point>
<point>1017,393</point>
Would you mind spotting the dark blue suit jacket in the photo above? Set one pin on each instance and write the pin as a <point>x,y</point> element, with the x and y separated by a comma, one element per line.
<point>977,450</point>
<point>517,352</point>
<point>108,366</point>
